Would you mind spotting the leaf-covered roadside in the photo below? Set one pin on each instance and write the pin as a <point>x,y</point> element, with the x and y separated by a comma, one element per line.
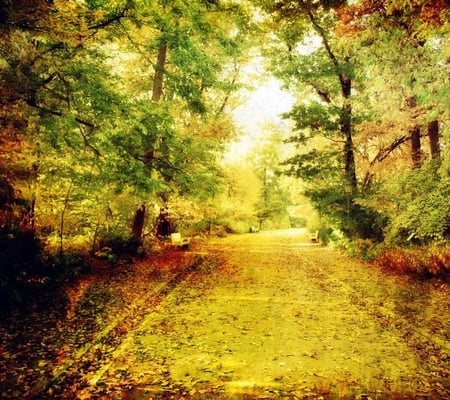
<point>81,324</point>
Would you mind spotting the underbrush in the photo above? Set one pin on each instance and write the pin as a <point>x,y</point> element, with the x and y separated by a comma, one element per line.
<point>423,262</point>
<point>121,244</point>
<point>30,276</point>
<point>33,273</point>
<point>364,249</point>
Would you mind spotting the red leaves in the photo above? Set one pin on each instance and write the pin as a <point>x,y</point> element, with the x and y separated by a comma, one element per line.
<point>432,262</point>
<point>439,262</point>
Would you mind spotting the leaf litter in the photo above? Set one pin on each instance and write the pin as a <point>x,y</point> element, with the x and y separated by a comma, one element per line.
<point>259,316</point>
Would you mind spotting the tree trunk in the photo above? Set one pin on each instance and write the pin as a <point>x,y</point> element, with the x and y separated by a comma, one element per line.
<point>61,224</point>
<point>415,146</point>
<point>346,129</point>
<point>159,72</point>
<point>138,222</point>
<point>433,135</point>
<point>346,112</point>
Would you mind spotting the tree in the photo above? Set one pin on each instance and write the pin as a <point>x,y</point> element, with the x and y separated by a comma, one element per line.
<point>314,65</point>
<point>409,60</point>
<point>354,68</point>
<point>70,91</point>
<point>325,69</point>
<point>276,188</point>
<point>408,56</point>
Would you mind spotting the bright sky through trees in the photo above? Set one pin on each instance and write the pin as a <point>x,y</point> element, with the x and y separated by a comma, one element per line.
<point>264,106</point>
<point>265,103</point>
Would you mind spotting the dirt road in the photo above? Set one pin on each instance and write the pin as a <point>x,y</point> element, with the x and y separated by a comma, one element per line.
<point>280,317</point>
<point>257,316</point>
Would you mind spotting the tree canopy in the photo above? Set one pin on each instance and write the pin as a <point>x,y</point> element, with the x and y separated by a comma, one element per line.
<point>106,104</point>
<point>370,79</point>
<point>111,96</point>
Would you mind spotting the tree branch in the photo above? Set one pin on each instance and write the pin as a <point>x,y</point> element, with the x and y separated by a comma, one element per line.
<point>86,139</point>
<point>333,140</point>
<point>343,79</point>
<point>325,96</point>
<point>136,45</point>
<point>111,20</point>
<point>81,121</point>
<point>384,152</point>
<point>227,95</point>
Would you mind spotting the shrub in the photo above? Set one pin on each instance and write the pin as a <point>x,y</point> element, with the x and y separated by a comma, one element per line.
<point>423,262</point>
<point>356,218</point>
<point>19,251</point>
<point>420,209</point>
<point>439,261</point>
<point>28,274</point>
<point>120,244</point>
<point>65,267</point>
<point>362,248</point>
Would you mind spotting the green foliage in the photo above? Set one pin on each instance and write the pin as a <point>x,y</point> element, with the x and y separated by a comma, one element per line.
<point>80,126</point>
<point>297,221</point>
<point>65,267</point>
<point>364,249</point>
<point>80,91</point>
<point>313,165</point>
<point>379,55</point>
<point>120,244</point>
<point>366,223</point>
<point>96,3</point>
<point>343,213</point>
<point>314,117</point>
<point>420,211</point>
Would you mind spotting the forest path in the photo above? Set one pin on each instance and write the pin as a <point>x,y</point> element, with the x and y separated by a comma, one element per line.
<point>255,316</point>
<point>282,317</point>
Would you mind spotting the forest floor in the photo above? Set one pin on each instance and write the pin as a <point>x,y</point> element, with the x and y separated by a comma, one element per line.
<point>255,316</point>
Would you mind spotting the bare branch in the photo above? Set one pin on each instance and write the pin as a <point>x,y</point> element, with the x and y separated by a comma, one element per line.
<point>333,140</point>
<point>86,139</point>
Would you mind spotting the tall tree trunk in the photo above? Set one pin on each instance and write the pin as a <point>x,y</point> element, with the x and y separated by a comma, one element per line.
<point>346,129</point>
<point>415,146</point>
<point>138,222</point>
<point>433,135</point>
<point>61,224</point>
<point>346,112</point>
<point>159,72</point>
<point>157,93</point>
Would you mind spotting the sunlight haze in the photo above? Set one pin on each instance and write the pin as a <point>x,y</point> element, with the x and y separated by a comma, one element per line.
<point>264,106</point>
